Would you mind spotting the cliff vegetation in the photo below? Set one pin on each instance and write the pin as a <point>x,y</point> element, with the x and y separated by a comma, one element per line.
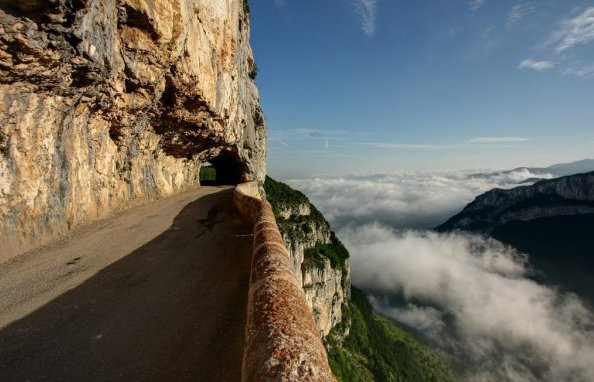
<point>319,259</point>
<point>369,347</point>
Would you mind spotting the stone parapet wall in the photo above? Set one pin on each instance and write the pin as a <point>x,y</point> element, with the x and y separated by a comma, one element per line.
<point>282,340</point>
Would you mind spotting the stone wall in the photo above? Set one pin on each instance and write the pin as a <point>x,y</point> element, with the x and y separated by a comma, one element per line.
<point>282,340</point>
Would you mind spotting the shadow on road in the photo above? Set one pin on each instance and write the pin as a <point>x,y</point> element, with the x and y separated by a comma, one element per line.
<point>172,310</point>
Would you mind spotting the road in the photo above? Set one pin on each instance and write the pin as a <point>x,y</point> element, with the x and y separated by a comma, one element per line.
<point>158,293</point>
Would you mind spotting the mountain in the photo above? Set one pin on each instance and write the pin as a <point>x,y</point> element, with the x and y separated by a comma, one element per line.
<point>540,173</point>
<point>578,167</point>
<point>551,220</point>
<point>570,195</point>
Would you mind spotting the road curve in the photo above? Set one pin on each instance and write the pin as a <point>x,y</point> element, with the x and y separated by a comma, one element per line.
<point>157,293</point>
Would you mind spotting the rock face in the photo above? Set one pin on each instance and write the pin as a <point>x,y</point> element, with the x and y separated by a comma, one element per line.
<point>570,195</point>
<point>326,287</point>
<point>106,103</point>
<point>320,261</point>
<point>323,273</point>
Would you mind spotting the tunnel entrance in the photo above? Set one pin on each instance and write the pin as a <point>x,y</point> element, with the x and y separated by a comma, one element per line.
<point>221,170</point>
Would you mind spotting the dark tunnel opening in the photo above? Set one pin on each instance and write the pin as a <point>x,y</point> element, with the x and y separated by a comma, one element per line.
<point>223,170</point>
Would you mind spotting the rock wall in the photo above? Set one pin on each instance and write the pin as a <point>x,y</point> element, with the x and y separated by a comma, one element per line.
<point>326,288</point>
<point>106,103</point>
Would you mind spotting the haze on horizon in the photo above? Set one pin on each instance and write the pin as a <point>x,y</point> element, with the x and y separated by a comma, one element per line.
<point>362,86</point>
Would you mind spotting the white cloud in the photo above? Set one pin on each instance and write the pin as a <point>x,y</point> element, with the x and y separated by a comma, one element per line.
<point>476,4</point>
<point>408,146</point>
<point>580,71</point>
<point>517,13</point>
<point>497,140</point>
<point>454,146</point>
<point>308,134</point>
<point>576,31</point>
<point>280,3</point>
<point>366,9</point>
<point>473,298</point>
<point>403,199</point>
<point>536,65</point>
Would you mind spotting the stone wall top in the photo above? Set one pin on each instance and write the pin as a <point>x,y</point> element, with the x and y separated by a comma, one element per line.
<point>282,341</point>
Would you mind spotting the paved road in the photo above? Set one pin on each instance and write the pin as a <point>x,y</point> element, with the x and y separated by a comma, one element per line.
<point>156,294</point>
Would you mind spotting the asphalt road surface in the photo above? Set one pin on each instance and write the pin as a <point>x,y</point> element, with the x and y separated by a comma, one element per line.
<point>157,293</point>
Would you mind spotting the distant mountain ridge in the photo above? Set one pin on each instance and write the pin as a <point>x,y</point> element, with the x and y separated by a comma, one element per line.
<point>568,195</point>
<point>540,173</point>
<point>552,221</point>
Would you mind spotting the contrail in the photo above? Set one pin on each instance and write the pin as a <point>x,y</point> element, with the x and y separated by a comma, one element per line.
<point>283,143</point>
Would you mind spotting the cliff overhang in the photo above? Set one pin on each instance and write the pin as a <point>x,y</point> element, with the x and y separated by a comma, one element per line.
<point>107,103</point>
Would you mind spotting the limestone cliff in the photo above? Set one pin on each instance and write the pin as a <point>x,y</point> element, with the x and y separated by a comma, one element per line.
<point>105,103</point>
<point>318,256</point>
<point>565,196</point>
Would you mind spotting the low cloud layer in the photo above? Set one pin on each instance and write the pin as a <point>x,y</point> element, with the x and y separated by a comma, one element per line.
<point>472,297</point>
<point>411,200</point>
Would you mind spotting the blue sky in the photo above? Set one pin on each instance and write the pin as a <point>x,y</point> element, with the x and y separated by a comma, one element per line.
<point>360,86</point>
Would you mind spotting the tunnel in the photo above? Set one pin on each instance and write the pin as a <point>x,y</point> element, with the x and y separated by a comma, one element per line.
<point>228,171</point>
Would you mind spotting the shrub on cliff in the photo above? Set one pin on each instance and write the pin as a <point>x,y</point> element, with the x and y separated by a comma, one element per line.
<point>254,72</point>
<point>282,196</point>
<point>334,251</point>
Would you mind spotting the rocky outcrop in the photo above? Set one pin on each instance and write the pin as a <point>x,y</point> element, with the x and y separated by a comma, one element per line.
<point>326,289</point>
<point>106,103</point>
<point>319,258</point>
<point>326,286</point>
<point>307,234</point>
<point>566,196</point>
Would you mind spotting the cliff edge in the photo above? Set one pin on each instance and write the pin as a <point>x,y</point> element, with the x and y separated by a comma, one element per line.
<point>320,260</point>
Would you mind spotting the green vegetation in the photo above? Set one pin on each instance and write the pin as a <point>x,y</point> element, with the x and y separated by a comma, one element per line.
<point>376,349</point>
<point>246,7</point>
<point>282,196</point>
<point>335,251</point>
<point>253,72</point>
<point>208,173</point>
